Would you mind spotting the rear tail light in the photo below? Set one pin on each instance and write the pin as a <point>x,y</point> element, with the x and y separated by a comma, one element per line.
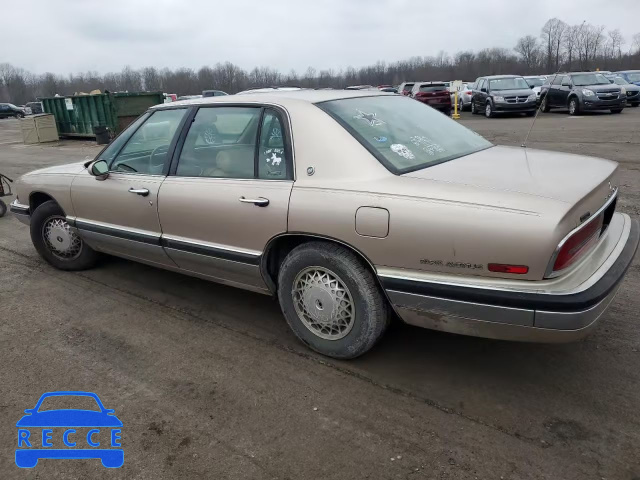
<point>578,243</point>
<point>502,268</point>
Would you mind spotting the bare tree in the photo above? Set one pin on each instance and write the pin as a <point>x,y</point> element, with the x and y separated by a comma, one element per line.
<point>635,44</point>
<point>552,36</point>
<point>616,40</point>
<point>528,48</point>
<point>571,40</point>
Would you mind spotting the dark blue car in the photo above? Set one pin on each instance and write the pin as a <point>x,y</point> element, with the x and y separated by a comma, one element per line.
<point>631,76</point>
<point>32,447</point>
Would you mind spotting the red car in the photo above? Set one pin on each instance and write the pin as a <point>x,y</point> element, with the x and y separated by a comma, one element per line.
<point>434,94</point>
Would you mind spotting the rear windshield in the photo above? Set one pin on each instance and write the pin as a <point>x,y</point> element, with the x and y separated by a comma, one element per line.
<point>433,88</point>
<point>508,84</point>
<point>407,87</point>
<point>404,135</point>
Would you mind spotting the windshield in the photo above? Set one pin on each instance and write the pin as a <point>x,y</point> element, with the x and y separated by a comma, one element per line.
<point>619,80</point>
<point>508,84</point>
<point>584,79</point>
<point>634,77</point>
<point>404,135</point>
<point>534,82</point>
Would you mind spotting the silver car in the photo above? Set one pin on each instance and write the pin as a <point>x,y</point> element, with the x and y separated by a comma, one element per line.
<point>351,208</point>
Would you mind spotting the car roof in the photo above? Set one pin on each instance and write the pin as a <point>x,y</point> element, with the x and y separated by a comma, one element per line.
<point>495,77</point>
<point>279,97</point>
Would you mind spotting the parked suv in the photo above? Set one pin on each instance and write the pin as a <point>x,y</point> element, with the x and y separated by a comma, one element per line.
<point>632,90</point>
<point>502,94</point>
<point>10,110</point>
<point>631,76</point>
<point>434,94</point>
<point>580,91</point>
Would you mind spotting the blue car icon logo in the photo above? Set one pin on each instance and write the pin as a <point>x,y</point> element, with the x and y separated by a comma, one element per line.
<point>69,433</point>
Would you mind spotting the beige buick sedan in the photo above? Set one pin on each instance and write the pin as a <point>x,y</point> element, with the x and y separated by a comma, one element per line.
<point>351,207</point>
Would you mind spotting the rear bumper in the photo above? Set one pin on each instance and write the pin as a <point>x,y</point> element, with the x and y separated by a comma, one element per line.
<point>21,212</point>
<point>514,315</point>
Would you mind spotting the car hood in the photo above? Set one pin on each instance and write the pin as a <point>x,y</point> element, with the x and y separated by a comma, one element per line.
<point>600,88</point>
<point>69,418</point>
<point>512,93</point>
<point>559,176</point>
<point>69,168</point>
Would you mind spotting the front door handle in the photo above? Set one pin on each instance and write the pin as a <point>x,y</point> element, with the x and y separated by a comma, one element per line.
<point>259,202</point>
<point>139,191</point>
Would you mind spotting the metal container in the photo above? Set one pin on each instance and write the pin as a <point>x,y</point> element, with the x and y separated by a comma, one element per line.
<point>78,115</point>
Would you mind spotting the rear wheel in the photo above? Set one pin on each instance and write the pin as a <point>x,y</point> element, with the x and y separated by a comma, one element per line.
<point>474,110</point>
<point>460,106</point>
<point>331,300</point>
<point>574,106</point>
<point>616,110</point>
<point>3,208</point>
<point>56,242</point>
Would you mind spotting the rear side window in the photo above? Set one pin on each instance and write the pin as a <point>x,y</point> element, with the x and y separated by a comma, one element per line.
<point>557,80</point>
<point>404,135</point>
<point>221,143</point>
<point>433,88</point>
<point>272,158</point>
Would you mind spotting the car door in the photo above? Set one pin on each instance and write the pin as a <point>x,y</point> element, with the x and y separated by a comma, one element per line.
<point>482,95</point>
<point>564,91</point>
<point>227,193</point>
<point>119,214</point>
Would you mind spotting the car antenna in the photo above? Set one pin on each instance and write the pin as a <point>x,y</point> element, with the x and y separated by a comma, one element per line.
<point>535,117</point>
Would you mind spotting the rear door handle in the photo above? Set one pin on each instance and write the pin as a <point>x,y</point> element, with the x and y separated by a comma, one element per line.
<point>139,191</point>
<point>259,202</point>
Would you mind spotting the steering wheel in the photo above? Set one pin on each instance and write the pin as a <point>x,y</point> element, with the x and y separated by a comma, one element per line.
<point>154,152</point>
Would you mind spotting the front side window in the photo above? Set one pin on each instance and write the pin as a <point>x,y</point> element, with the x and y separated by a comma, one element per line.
<point>146,150</point>
<point>221,143</point>
<point>404,135</point>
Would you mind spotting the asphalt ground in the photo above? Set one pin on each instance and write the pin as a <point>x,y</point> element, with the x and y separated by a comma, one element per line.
<point>209,382</point>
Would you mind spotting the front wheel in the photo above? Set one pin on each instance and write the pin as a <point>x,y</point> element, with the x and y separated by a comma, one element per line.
<point>3,208</point>
<point>545,105</point>
<point>616,110</point>
<point>331,300</point>
<point>574,106</point>
<point>474,110</point>
<point>488,110</point>
<point>56,242</point>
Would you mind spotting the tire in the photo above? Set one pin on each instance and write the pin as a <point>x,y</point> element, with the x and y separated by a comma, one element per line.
<point>616,110</point>
<point>474,110</point>
<point>364,322</point>
<point>447,112</point>
<point>545,105</point>
<point>72,253</point>
<point>488,110</point>
<point>3,208</point>
<point>460,106</point>
<point>574,106</point>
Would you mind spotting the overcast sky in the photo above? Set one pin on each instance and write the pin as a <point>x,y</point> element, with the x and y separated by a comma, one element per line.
<point>65,36</point>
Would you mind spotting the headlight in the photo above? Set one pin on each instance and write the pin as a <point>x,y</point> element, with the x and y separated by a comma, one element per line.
<point>531,97</point>
<point>498,98</point>
<point>587,93</point>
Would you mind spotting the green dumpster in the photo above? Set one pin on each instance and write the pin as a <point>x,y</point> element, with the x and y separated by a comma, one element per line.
<point>77,115</point>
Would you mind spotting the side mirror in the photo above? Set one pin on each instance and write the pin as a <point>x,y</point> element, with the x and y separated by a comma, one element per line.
<point>531,87</point>
<point>483,90</point>
<point>99,169</point>
<point>566,84</point>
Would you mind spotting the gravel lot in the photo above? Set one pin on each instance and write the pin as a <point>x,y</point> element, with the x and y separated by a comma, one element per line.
<point>209,383</point>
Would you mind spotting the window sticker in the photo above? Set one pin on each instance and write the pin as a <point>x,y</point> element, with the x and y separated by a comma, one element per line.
<point>380,139</point>
<point>403,151</point>
<point>426,145</point>
<point>371,118</point>
<point>275,133</point>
